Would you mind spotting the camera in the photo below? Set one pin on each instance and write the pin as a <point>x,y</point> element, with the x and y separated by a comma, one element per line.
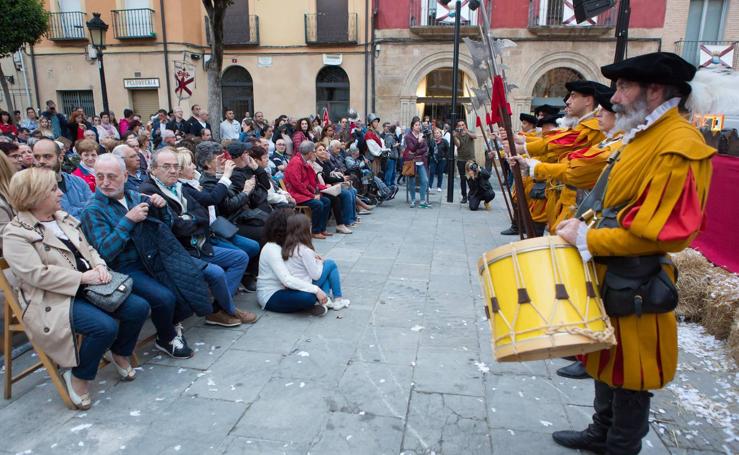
<point>426,131</point>
<point>474,167</point>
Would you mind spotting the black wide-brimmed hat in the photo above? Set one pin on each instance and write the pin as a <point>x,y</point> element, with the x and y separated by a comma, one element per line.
<point>587,88</point>
<point>547,109</point>
<point>528,118</point>
<point>548,120</point>
<point>658,67</point>
<point>603,97</point>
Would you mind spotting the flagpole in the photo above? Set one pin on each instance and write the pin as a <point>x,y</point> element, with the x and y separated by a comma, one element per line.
<point>526,224</point>
<point>455,87</point>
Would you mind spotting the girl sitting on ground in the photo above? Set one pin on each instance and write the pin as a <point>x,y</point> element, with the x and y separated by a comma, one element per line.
<point>304,263</point>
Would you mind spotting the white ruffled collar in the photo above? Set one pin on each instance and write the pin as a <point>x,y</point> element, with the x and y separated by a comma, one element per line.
<point>651,119</point>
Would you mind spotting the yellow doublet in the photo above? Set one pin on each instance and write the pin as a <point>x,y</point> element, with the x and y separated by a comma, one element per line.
<point>537,148</point>
<point>585,134</point>
<point>579,169</point>
<point>662,179</point>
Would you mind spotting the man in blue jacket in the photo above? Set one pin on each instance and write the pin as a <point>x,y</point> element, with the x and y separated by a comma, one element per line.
<point>110,223</point>
<point>77,194</point>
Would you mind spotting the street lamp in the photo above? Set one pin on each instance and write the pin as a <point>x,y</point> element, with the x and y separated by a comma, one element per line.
<point>97,28</point>
<point>473,5</point>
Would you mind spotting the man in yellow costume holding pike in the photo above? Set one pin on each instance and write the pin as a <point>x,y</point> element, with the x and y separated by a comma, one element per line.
<point>580,130</point>
<point>648,201</point>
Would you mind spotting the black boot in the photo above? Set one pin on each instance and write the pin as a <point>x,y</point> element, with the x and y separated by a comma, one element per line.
<point>575,370</point>
<point>593,438</point>
<point>630,422</point>
<point>513,230</point>
<point>249,282</point>
<point>539,229</point>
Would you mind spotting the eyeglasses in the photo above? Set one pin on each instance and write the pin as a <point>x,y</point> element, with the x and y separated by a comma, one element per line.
<point>171,167</point>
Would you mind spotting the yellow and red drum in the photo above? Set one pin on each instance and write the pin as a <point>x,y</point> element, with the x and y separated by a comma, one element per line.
<point>542,301</point>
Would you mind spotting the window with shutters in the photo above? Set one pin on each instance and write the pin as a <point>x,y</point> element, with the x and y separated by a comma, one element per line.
<point>71,99</point>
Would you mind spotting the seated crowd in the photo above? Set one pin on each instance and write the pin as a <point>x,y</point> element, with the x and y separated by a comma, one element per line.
<point>188,220</point>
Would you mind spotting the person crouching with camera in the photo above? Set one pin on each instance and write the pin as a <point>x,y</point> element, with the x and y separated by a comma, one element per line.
<point>480,190</point>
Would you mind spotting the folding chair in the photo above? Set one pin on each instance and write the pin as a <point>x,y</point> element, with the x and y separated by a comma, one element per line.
<point>13,323</point>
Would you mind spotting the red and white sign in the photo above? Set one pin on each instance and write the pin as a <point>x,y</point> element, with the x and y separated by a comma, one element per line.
<point>184,76</point>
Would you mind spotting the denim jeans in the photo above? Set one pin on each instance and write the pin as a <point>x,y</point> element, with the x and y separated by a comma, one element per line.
<point>436,168</point>
<point>117,331</point>
<point>161,300</point>
<point>348,205</point>
<point>290,301</point>
<point>319,213</point>
<point>330,280</point>
<point>245,244</point>
<point>390,172</point>
<point>411,184</point>
<point>223,274</point>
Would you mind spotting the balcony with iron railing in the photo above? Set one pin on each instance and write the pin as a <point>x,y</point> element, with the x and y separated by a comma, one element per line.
<point>433,19</point>
<point>323,28</point>
<point>67,26</point>
<point>133,23</point>
<point>709,53</point>
<point>557,17</point>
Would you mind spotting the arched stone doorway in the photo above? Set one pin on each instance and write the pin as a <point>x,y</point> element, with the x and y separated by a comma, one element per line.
<point>434,95</point>
<point>237,89</point>
<point>550,88</point>
<point>332,92</point>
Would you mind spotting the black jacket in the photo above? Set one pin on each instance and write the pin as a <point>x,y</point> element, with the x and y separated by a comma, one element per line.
<point>175,126</point>
<point>439,151</point>
<point>194,127</point>
<point>328,168</point>
<point>480,186</point>
<point>231,203</point>
<point>192,228</point>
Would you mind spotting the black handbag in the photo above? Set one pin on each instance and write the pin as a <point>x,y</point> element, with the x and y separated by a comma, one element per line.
<point>538,191</point>
<point>108,297</point>
<point>224,228</point>
<point>251,217</point>
<point>638,285</point>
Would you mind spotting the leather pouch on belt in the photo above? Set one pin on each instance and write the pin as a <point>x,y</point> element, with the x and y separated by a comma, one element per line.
<point>538,190</point>
<point>625,292</point>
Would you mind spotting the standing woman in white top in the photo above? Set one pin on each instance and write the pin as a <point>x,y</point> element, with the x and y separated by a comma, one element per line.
<point>277,289</point>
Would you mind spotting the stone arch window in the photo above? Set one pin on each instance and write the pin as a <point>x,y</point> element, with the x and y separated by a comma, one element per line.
<point>237,91</point>
<point>550,88</point>
<point>332,92</point>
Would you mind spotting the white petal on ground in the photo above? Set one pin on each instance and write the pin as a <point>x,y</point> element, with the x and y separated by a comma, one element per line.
<point>79,428</point>
<point>135,413</point>
<point>417,328</point>
<point>546,423</point>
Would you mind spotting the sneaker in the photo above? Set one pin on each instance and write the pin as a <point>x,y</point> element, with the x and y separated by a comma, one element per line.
<point>249,282</point>
<point>319,236</point>
<point>343,230</point>
<point>340,304</point>
<point>246,317</point>
<point>364,212</point>
<point>222,319</point>
<point>318,310</point>
<point>464,200</point>
<point>438,190</point>
<point>487,206</point>
<point>413,204</point>
<point>177,348</point>
<point>425,205</point>
<point>395,192</point>
<point>513,230</point>
<point>326,234</point>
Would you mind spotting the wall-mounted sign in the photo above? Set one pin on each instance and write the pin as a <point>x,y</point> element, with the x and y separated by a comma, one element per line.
<point>234,60</point>
<point>332,59</point>
<point>141,83</point>
<point>264,62</point>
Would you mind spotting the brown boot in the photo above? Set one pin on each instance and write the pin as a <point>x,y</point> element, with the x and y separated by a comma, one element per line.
<point>223,319</point>
<point>246,317</point>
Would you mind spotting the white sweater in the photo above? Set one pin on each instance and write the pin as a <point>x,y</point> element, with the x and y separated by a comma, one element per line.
<point>305,264</point>
<point>274,275</point>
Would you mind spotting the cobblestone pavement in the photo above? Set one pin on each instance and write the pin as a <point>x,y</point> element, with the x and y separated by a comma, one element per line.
<point>408,368</point>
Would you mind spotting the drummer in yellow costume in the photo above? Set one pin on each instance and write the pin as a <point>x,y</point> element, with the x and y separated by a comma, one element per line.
<point>651,203</point>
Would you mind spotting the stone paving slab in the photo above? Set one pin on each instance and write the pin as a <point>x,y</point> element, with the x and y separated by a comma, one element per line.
<point>407,368</point>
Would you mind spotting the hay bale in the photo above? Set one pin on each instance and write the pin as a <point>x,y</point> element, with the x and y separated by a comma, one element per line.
<point>733,341</point>
<point>693,284</point>
<point>722,303</point>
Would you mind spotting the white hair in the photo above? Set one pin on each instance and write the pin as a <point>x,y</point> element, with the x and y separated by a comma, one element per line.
<point>112,158</point>
<point>119,149</point>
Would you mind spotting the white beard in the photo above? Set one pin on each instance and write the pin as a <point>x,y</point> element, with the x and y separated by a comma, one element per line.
<point>629,117</point>
<point>568,122</point>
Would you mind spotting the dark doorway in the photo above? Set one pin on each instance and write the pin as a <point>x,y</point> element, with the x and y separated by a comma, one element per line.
<point>332,21</point>
<point>238,91</point>
<point>332,91</point>
<point>437,102</point>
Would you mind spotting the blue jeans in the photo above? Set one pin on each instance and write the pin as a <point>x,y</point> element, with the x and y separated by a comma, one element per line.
<point>223,273</point>
<point>421,174</point>
<point>390,172</point>
<point>290,301</point>
<point>161,300</point>
<point>330,280</point>
<point>117,331</point>
<point>245,244</point>
<point>348,205</point>
<point>436,168</point>
<point>320,209</point>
